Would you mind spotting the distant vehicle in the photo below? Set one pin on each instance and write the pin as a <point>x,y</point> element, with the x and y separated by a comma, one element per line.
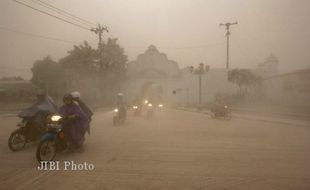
<point>137,110</point>
<point>119,116</point>
<point>221,112</point>
<point>150,111</point>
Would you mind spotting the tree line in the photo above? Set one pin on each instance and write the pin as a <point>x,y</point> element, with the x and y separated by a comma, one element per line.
<point>96,73</point>
<point>244,79</point>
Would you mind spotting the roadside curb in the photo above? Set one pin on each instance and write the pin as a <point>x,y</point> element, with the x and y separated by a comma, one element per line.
<point>282,114</point>
<point>270,120</point>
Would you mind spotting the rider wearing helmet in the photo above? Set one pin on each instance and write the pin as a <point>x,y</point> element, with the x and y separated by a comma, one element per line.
<point>43,98</point>
<point>77,99</point>
<point>75,122</point>
<point>41,108</point>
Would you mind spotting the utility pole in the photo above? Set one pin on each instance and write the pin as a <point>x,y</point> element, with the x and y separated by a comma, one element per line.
<point>227,25</point>
<point>99,31</point>
<point>200,72</point>
<point>187,96</point>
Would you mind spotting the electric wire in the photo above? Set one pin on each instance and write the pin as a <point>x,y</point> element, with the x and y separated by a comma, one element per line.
<point>44,12</point>
<point>64,13</point>
<point>36,35</point>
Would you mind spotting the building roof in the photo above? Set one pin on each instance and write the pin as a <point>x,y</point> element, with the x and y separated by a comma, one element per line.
<point>301,71</point>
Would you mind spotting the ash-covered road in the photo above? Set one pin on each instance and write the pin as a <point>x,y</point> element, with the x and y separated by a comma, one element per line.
<point>175,150</point>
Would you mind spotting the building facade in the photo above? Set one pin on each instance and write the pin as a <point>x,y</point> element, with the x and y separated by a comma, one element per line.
<point>292,89</point>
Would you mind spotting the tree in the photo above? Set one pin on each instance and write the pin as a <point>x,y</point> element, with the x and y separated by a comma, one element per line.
<point>112,69</point>
<point>88,61</point>
<point>47,74</point>
<point>244,78</point>
<point>113,58</point>
<point>81,59</point>
<point>98,76</point>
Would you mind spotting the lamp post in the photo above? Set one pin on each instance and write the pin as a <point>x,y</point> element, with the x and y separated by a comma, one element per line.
<point>201,70</point>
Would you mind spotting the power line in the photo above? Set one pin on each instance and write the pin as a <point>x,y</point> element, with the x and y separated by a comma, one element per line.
<point>64,13</point>
<point>64,20</point>
<point>127,47</point>
<point>178,48</point>
<point>192,47</point>
<point>36,35</point>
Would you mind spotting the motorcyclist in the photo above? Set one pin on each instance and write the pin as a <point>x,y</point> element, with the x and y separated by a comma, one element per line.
<point>150,100</point>
<point>121,104</point>
<point>219,106</point>
<point>33,120</point>
<point>137,101</point>
<point>43,98</point>
<point>43,106</point>
<point>86,109</point>
<point>75,122</point>
<point>137,105</point>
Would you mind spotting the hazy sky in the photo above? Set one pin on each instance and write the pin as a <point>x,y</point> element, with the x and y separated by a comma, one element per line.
<point>186,30</point>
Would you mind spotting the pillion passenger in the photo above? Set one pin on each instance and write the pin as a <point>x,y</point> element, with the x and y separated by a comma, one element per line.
<point>86,109</point>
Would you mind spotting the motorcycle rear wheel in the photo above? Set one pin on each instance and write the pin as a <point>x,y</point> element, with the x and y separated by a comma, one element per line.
<point>17,140</point>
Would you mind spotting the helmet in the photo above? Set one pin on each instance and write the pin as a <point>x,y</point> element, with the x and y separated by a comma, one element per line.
<point>75,94</point>
<point>120,94</point>
<point>67,97</point>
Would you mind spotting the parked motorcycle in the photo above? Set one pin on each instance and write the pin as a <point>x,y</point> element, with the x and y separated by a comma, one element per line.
<point>30,128</point>
<point>222,111</point>
<point>52,141</point>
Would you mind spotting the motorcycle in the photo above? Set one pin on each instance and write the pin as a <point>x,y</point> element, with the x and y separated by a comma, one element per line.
<point>223,112</point>
<point>52,141</point>
<point>150,111</point>
<point>137,110</point>
<point>29,129</point>
<point>160,106</point>
<point>119,116</point>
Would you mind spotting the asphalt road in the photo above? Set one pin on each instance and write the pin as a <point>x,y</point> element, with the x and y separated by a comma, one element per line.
<point>175,150</point>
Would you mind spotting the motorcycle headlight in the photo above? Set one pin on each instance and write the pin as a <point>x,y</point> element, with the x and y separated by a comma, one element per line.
<point>160,105</point>
<point>226,107</point>
<point>56,117</point>
<point>146,101</point>
<point>116,110</point>
<point>150,105</point>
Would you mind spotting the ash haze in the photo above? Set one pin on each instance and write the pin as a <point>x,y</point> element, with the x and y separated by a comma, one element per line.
<point>186,30</point>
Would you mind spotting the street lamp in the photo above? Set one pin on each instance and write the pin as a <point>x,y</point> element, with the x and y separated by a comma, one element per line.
<point>201,70</point>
